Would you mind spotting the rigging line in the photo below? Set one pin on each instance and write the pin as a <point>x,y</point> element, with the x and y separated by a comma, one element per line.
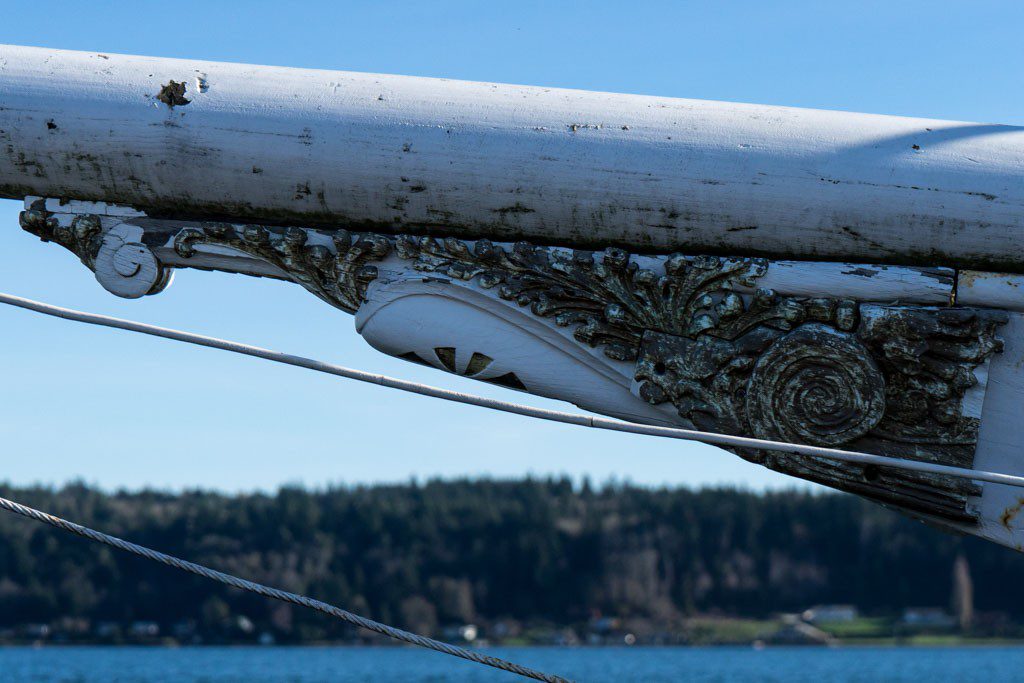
<point>723,440</point>
<point>275,593</point>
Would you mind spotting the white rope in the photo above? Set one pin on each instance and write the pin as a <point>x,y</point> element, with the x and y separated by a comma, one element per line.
<point>723,440</point>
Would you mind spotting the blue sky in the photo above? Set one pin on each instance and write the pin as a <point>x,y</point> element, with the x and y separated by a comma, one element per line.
<point>123,410</point>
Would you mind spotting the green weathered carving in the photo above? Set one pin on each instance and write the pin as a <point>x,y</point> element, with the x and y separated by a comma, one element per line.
<point>339,276</point>
<point>83,237</point>
<point>729,356</point>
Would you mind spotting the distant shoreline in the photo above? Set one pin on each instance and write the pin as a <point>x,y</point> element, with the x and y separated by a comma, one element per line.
<point>511,562</point>
<point>961,643</point>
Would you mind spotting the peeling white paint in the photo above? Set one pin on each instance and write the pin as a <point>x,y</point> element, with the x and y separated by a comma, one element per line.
<point>508,162</point>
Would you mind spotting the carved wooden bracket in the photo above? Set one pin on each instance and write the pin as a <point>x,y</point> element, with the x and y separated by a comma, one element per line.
<point>123,264</point>
<point>711,337</point>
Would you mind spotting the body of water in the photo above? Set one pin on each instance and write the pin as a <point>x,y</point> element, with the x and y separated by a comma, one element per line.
<point>344,664</point>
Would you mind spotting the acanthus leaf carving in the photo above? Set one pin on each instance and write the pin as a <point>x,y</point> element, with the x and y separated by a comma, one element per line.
<point>729,355</point>
<point>339,276</point>
<point>736,358</point>
<point>609,300</point>
<point>894,383</point>
<point>83,237</point>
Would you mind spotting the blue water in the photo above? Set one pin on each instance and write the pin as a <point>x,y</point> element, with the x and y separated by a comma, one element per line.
<point>344,664</point>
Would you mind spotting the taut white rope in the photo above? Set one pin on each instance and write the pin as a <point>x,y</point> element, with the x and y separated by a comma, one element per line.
<point>516,408</point>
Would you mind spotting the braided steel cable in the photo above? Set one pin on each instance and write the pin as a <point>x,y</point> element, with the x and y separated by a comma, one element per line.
<point>275,593</point>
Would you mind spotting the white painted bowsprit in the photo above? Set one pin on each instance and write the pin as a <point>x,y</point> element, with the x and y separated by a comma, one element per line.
<point>401,154</point>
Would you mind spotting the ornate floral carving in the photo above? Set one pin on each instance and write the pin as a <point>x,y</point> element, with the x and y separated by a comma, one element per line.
<point>339,276</point>
<point>608,300</point>
<point>882,379</point>
<point>730,356</point>
<point>929,357</point>
<point>83,237</point>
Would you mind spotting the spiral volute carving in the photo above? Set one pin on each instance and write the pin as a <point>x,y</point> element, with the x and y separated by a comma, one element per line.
<point>815,386</point>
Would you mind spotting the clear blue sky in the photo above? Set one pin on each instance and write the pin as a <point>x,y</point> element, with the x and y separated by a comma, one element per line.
<point>123,410</point>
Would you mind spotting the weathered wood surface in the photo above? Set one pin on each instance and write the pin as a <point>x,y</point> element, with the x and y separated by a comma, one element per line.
<point>182,138</point>
<point>993,290</point>
<point>999,507</point>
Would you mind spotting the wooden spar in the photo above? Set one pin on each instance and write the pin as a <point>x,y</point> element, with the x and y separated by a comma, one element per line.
<point>190,139</point>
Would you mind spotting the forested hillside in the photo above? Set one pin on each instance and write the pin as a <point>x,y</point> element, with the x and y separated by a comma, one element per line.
<point>526,553</point>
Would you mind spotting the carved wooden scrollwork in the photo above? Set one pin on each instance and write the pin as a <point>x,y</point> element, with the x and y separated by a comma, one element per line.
<point>338,274</point>
<point>881,379</point>
<point>705,336</point>
<point>816,386</point>
<point>121,262</point>
<point>83,237</point>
